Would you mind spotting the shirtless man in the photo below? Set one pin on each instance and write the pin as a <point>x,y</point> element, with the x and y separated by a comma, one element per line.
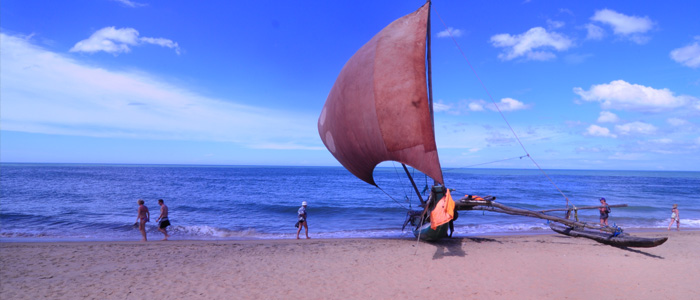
<point>162,220</point>
<point>143,217</point>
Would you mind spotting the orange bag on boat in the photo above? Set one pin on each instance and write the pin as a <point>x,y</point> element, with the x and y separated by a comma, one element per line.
<point>443,212</point>
<point>473,197</point>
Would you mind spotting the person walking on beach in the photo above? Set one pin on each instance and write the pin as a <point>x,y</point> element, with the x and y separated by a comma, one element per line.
<point>302,220</point>
<point>162,220</point>
<point>604,212</point>
<point>143,217</point>
<point>675,217</point>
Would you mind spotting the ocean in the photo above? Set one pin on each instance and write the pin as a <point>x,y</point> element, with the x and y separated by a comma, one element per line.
<point>94,202</point>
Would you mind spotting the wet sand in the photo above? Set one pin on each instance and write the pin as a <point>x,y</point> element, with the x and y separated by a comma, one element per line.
<point>501,267</point>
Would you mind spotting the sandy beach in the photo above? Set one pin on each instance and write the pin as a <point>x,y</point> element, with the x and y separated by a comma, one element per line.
<point>507,267</point>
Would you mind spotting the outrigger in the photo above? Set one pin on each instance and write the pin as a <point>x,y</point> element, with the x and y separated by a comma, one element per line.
<point>609,235</point>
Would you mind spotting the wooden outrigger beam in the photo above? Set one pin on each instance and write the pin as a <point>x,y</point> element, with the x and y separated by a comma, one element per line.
<point>582,207</point>
<point>489,204</point>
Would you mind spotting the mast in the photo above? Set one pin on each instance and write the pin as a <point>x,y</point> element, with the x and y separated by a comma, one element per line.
<point>415,188</point>
<point>429,72</point>
<point>429,68</point>
<point>430,97</point>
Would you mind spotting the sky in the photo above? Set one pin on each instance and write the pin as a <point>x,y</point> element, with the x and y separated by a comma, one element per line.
<point>603,85</point>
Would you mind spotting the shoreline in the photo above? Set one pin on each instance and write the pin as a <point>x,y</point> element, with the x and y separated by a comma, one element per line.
<point>409,237</point>
<point>523,266</point>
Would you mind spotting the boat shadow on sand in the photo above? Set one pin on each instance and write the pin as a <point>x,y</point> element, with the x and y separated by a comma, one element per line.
<point>640,252</point>
<point>621,248</point>
<point>453,246</point>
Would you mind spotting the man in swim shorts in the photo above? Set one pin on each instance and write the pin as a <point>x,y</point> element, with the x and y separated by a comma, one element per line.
<point>162,220</point>
<point>302,220</point>
<point>143,217</point>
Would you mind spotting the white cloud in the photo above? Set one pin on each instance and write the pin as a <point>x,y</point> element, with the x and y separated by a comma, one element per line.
<point>438,106</point>
<point>555,24</point>
<point>688,56</point>
<point>510,104</point>
<point>506,104</point>
<point>467,106</point>
<point>592,149</point>
<point>608,117</point>
<point>129,3</point>
<point>627,156</point>
<point>595,130</point>
<point>622,95</point>
<point>630,27</point>
<point>476,106</point>
<point>48,93</point>
<point>635,128</point>
<point>112,40</point>
<point>677,122</point>
<point>450,32</point>
<point>662,141</point>
<point>594,32</point>
<point>531,44</point>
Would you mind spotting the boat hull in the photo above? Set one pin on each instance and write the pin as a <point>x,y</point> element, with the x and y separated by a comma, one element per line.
<point>623,240</point>
<point>430,235</point>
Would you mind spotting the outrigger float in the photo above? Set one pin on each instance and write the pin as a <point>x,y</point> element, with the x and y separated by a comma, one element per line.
<point>381,109</point>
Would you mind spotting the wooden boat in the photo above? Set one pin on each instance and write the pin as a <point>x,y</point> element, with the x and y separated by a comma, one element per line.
<point>431,235</point>
<point>619,240</point>
<point>380,108</point>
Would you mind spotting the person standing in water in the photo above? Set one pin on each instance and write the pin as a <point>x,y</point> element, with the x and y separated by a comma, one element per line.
<point>162,220</point>
<point>302,220</point>
<point>143,217</point>
<point>675,217</point>
<point>604,212</point>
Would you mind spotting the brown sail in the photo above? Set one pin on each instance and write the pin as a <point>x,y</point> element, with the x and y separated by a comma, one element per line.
<point>378,108</point>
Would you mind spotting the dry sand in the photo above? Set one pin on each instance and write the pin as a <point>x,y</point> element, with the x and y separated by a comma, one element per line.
<point>507,267</point>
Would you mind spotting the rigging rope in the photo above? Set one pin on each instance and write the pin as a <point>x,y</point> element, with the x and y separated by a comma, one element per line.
<point>392,198</point>
<point>495,161</point>
<point>398,176</point>
<point>497,108</point>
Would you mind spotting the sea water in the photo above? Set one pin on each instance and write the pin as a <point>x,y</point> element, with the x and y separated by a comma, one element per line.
<point>47,202</point>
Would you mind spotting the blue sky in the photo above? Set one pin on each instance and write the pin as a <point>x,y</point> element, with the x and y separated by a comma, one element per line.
<point>584,84</point>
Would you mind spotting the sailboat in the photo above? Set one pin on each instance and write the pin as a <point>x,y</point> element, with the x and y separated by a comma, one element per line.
<point>380,109</point>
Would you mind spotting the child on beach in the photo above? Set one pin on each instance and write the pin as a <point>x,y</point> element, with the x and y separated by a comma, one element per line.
<point>675,217</point>
<point>604,212</point>
<point>143,217</point>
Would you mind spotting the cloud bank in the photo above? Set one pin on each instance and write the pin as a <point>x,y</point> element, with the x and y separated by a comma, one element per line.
<point>48,93</point>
